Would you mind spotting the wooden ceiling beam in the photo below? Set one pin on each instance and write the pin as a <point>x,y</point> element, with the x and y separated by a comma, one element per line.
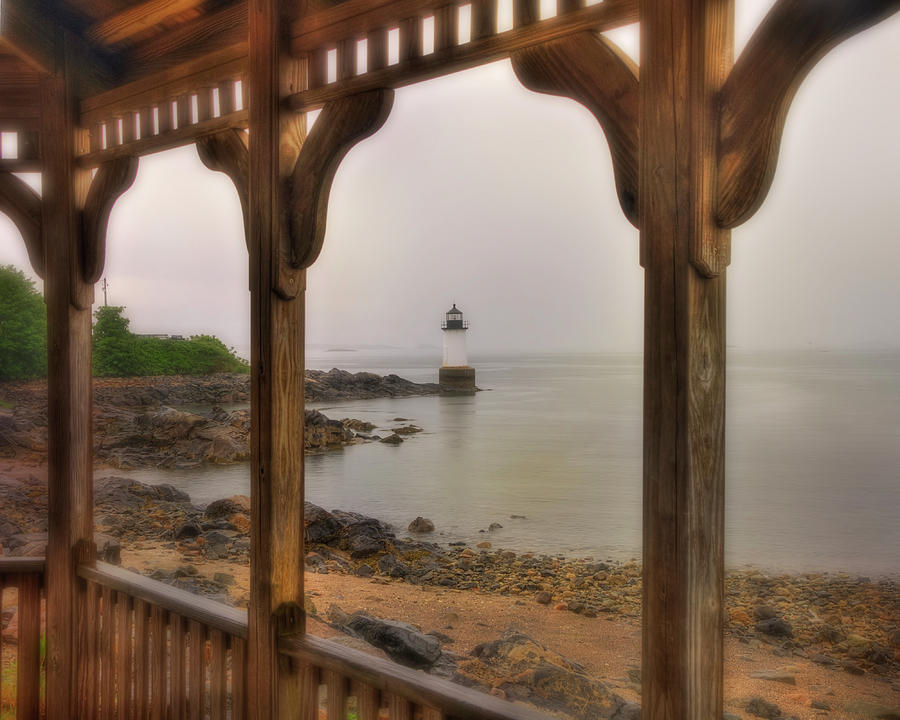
<point>34,32</point>
<point>137,19</point>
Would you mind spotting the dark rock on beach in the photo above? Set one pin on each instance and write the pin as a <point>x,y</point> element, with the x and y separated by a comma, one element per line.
<point>523,669</point>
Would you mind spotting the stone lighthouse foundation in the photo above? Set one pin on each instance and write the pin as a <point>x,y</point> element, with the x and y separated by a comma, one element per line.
<point>457,380</point>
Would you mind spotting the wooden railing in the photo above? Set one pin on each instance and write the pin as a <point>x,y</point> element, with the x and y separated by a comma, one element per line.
<point>345,683</point>
<point>161,652</point>
<point>154,651</point>
<point>151,651</point>
<point>20,653</point>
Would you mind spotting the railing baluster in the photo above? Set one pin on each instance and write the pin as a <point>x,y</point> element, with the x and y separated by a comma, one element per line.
<point>309,693</point>
<point>430,713</point>
<point>337,695</point>
<point>125,628</point>
<point>127,127</point>
<point>347,59</point>
<point>107,641</point>
<point>89,659</point>
<point>525,12</point>
<point>226,97</point>
<point>204,104</point>
<point>368,701</point>
<point>28,674</point>
<point>197,689</point>
<point>164,116</point>
<point>399,707</point>
<point>238,678</point>
<point>376,49</point>
<point>141,653</point>
<point>217,676</point>
<point>177,672</point>
<point>159,653</point>
<point>446,22</point>
<point>410,39</point>
<point>564,6</point>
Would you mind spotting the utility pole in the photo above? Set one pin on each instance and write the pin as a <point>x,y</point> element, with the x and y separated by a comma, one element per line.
<point>105,286</point>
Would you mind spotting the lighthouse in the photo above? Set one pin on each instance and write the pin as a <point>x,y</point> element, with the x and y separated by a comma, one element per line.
<point>455,375</point>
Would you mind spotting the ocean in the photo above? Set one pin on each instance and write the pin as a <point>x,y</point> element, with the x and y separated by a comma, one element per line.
<point>812,457</point>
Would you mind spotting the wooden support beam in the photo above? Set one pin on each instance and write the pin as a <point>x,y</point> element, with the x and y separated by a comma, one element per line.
<point>112,179</point>
<point>342,124</point>
<point>686,48</point>
<point>69,395</point>
<point>794,36</point>
<point>413,67</point>
<point>228,152</point>
<point>591,70</point>
<point>277,367</point>
<point>23,206</point>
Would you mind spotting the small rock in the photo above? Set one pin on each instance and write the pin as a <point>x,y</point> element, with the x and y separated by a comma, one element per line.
<point>392,439</point>
<point>543,597</point>
<point>188,530</point>
<point>764,709</point>
<point>495,526</point>
<point>421,525</point>
<point>365,570</point>
<point>483,545</point>
<point>818,704</point>
<point>775,676</point>
<point>223,578</point>
<point>764,612</point>
<point>775,627</point>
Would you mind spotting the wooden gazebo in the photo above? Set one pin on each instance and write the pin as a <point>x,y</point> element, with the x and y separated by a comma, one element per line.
<point>88,86</point>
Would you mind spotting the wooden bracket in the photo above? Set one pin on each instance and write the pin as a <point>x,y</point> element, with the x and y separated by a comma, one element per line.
<point>228,152</point>
<point>23,206</point>
<point>113,178</point>
<point>591,70</point>
<point>756,97</point>
<point>342,124</point>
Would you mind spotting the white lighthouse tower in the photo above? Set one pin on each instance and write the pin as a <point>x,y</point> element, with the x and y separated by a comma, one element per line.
<point>455,375</point>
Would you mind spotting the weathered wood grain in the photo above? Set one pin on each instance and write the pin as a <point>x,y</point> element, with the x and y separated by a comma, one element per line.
<point>106,655</point>
<point>228,152</point>
<point>342,124</point>
<point>69,390</point>
<point>28,661</point>
<point>22,205</point>
<point>277,367</point>
<point>685,55</point>
<point>593,71</point>
<point>112,180</point>
<point>124,655</point>
<point>414,67</point>
<point>137,19</point>
<point>755,100</point>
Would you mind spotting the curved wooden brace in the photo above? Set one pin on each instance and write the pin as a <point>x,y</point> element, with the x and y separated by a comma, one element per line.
<point>591,70</point>
<point>23,206</point>
<point>113,178</point>
<point>755,99</point>
<point>342,124</point>
<point>228,152</point>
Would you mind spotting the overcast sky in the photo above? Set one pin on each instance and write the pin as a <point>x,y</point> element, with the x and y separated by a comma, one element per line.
<point>482,193</point>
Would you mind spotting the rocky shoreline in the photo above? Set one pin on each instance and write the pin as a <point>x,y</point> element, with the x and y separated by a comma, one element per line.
<point>142,422</point>
<point>847,624</point>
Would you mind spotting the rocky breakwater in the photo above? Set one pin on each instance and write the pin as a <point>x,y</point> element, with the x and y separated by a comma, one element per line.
<point>143,422</point>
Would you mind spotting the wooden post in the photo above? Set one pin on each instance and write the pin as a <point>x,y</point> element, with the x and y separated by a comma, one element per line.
<point>686,50</point>
<point>277,369</point>
<point>69,394</point>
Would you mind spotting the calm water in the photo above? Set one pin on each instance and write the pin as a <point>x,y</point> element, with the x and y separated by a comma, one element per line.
<point>813,457</point>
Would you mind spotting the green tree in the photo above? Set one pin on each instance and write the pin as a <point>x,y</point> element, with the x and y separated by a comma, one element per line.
<point>23,327</point>
<point>120,353</point>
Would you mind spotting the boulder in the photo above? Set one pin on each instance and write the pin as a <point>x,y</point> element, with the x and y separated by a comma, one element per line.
<point>227,507</point>
<point>759,707</point>
<point>775,627</point>
<point>392,439</point>
<point>321,526</point>
<point>401,642</point>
